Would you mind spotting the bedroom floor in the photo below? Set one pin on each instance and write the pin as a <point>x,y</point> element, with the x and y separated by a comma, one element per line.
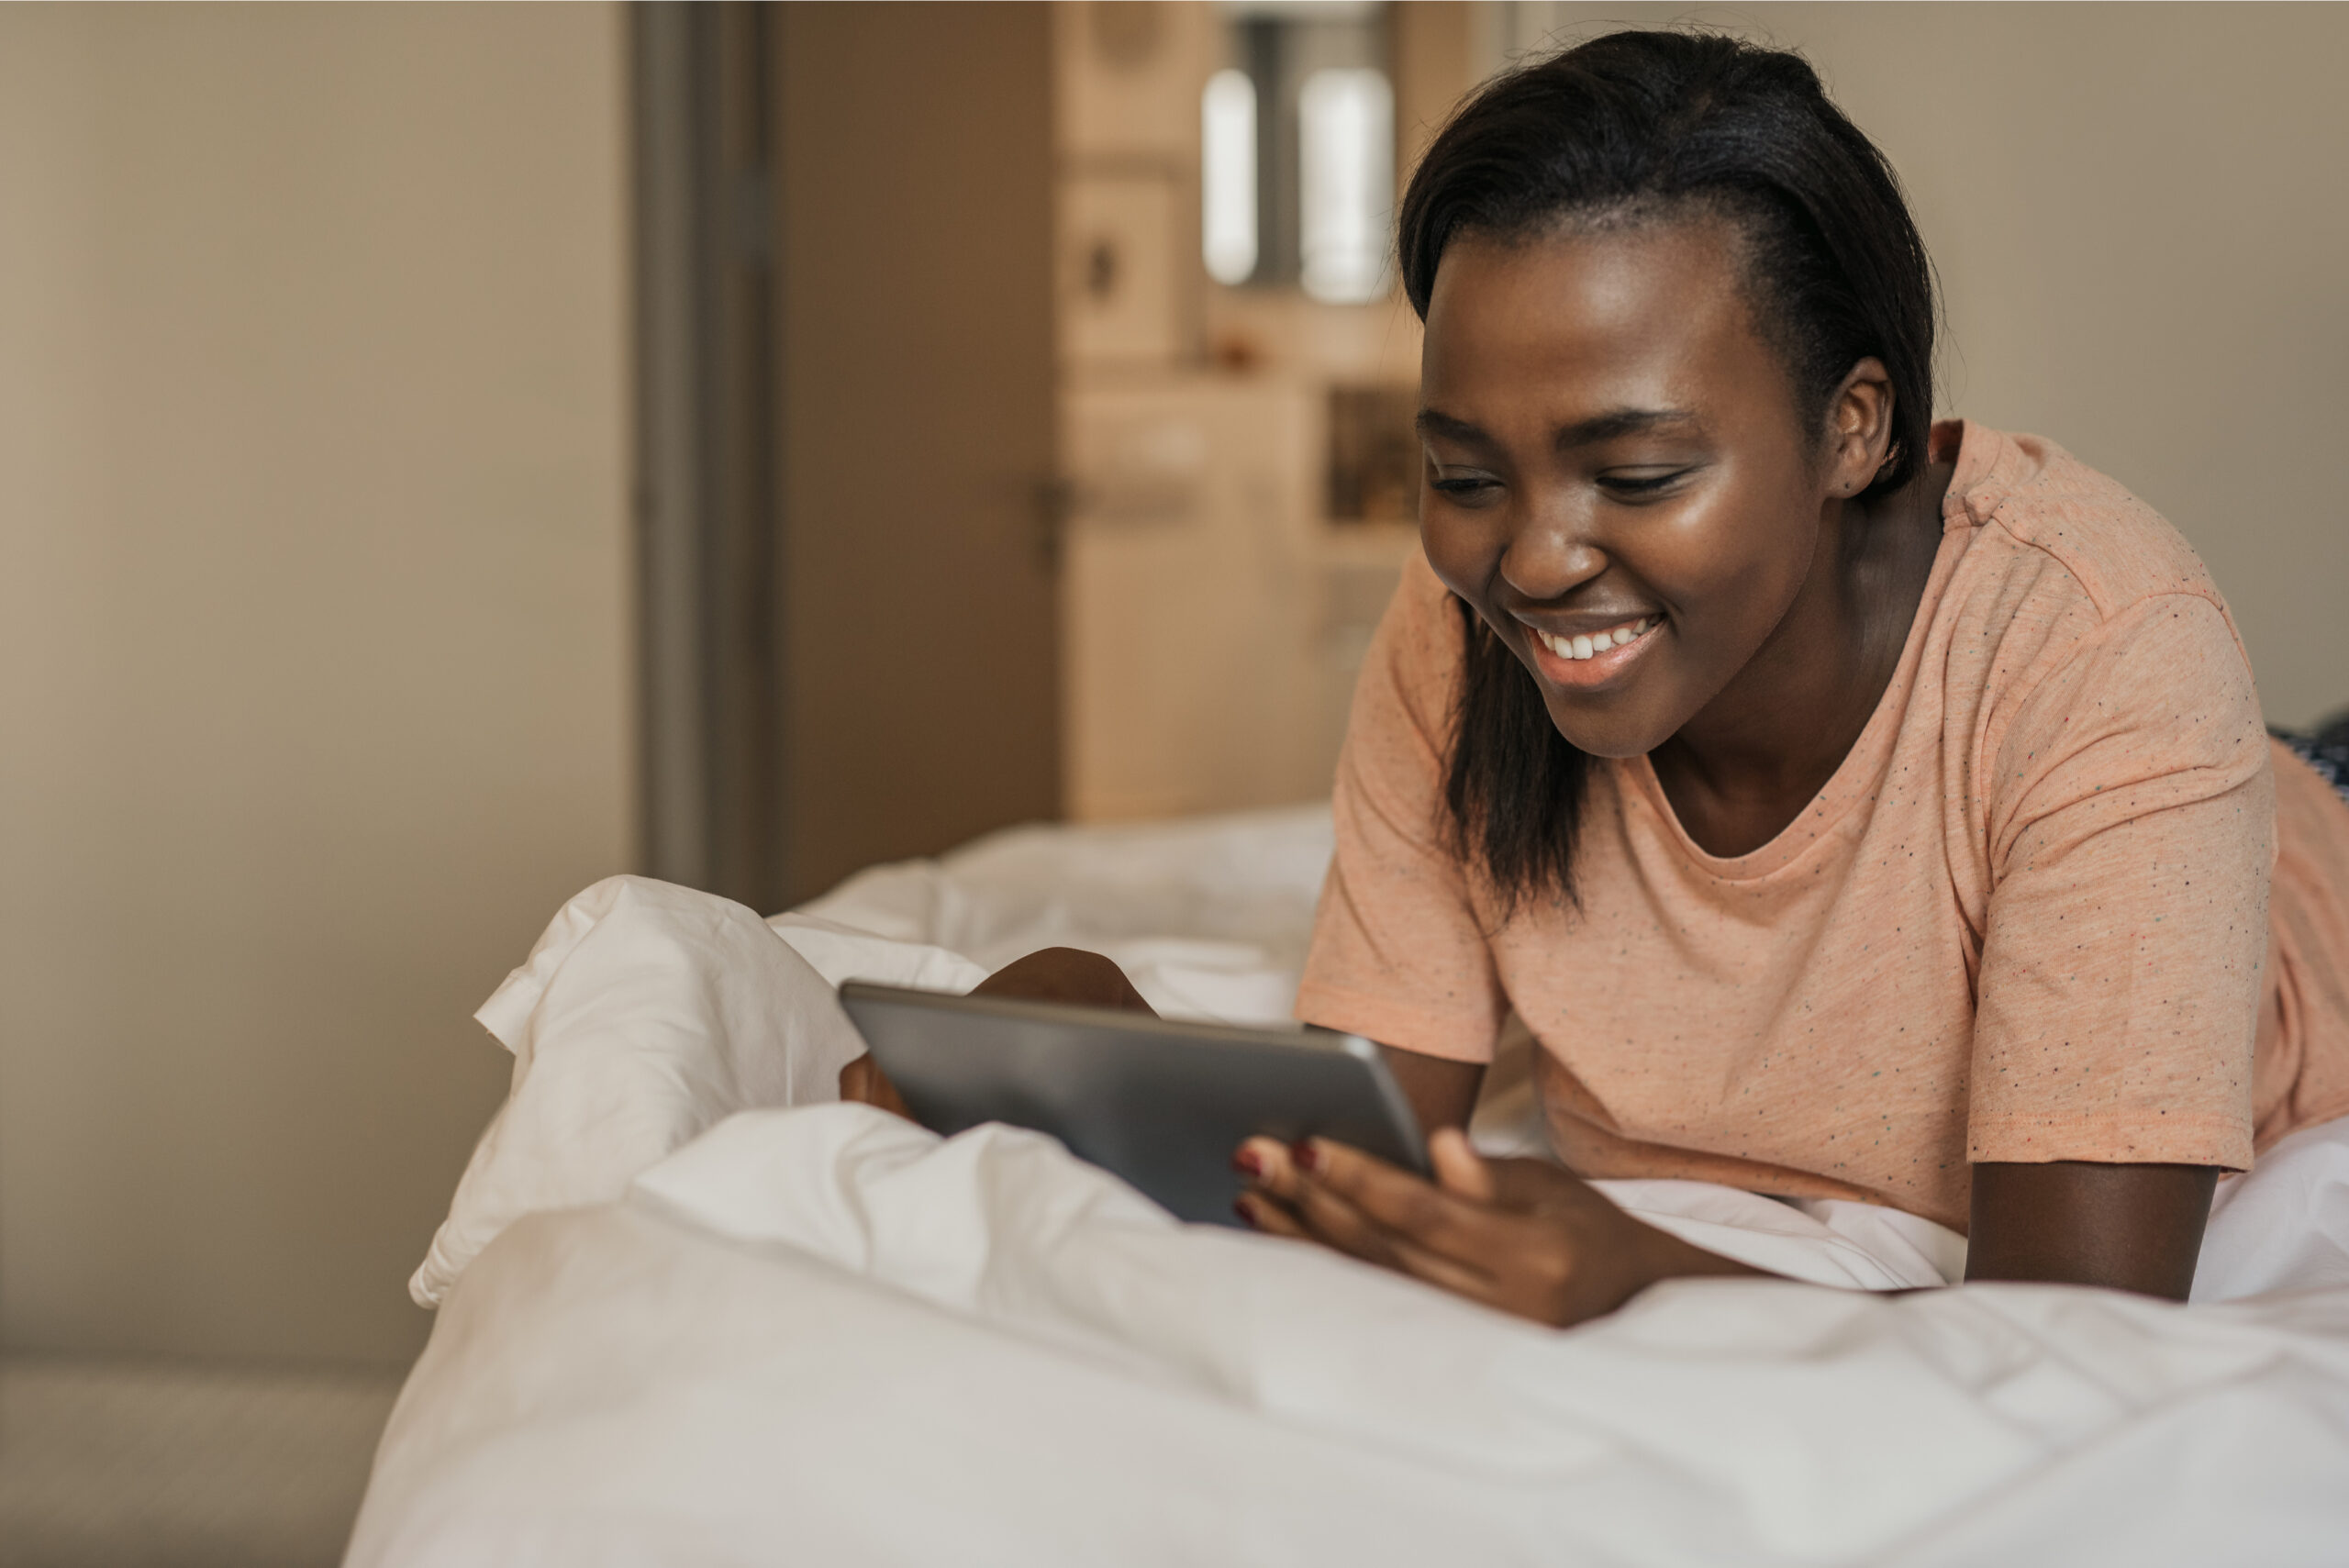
<point>158,1464</point>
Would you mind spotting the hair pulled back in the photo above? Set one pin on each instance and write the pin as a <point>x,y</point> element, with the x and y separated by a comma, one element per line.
<point>1628,128</point>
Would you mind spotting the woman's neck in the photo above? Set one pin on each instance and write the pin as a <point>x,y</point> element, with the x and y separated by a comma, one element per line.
<point>1761,751</point>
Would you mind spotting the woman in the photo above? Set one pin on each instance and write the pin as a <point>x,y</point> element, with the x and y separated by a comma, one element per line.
<point>1849,806</point>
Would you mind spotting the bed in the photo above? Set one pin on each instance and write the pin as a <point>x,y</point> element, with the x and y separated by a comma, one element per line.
<point>691,1312</point>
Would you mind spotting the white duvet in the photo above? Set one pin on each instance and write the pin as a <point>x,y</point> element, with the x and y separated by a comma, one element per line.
<point>676,1329</point>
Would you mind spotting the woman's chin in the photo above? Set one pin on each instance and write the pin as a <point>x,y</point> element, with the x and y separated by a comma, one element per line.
<point>1608,735</point>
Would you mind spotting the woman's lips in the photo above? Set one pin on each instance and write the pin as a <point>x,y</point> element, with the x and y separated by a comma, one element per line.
<point>1582,662</point>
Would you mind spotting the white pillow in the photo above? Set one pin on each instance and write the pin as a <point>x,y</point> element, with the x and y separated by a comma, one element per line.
<point>646,1014</point>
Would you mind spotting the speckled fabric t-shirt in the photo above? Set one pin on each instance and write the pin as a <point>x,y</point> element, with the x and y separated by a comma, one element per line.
<point>2027,919</point>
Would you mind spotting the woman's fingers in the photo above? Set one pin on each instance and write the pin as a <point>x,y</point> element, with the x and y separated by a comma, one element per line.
<point>1441,1221</point>
<point>1520,1235</point>
<point>1316,1212</point>
<point>1363,1206</point>
<point>862,1080</point>
<point>1270,1215</point>
<point>1287,1202</point>
<point>1459,1169</point>
<point>1271,1204</point>
<point>1332,1220</point>
<point>1264,1160</point>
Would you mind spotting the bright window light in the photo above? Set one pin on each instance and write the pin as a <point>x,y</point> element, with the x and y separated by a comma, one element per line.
<point>1346,152</point>
<point>1228,171</point>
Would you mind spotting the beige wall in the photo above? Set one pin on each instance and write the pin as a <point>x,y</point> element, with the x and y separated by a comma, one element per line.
<point>314,671</point>
<point>2138,214</point>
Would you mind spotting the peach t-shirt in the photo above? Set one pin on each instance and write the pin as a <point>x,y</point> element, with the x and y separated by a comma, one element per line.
<point>2027,919</point>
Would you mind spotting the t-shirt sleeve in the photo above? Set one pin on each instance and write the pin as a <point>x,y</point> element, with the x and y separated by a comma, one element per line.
<point>1398,955</point>
<point>2131,829</point>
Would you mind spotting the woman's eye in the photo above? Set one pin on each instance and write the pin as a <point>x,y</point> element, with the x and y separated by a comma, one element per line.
<point>1466,487</point>
<point>1631,486</point>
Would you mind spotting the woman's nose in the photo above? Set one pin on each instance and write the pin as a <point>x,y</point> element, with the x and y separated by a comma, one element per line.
<point>1550,554</point>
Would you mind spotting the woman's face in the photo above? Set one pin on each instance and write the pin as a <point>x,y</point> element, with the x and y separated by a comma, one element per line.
<point>1616,476</point>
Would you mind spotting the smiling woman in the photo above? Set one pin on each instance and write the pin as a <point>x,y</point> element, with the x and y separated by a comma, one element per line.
<point>1850,807</point>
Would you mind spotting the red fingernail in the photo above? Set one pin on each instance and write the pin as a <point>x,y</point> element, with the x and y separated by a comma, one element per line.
<point>1247,1165</point>
<point>1247,1216</point>
<point>1305,1154</point>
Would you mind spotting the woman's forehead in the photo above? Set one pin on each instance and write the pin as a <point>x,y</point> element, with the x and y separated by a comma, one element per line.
<point>1659,307</point>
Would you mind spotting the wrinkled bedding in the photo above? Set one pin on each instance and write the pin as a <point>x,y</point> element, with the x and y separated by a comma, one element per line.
<point>689,1313</point>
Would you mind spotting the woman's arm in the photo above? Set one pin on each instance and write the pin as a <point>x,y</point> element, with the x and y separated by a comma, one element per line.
<point>1530,1238</point>
<point>2068,1222</point>
<point>1443,1092</point>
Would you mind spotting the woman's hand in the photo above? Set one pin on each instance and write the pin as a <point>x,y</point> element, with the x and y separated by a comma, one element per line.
<point>1521,1235</point>
<point>863,1083</point>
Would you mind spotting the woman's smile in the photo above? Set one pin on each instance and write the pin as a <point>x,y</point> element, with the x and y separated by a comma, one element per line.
<point>1583,660</point>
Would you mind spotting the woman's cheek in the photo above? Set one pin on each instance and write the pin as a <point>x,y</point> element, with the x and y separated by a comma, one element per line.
<point>1461,561</point>
<point>1726,571</point>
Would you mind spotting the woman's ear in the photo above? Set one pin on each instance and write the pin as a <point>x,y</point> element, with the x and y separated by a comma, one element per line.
<point>1859,428</point>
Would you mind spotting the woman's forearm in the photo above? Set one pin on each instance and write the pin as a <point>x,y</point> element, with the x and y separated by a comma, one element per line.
<point>2134,1227</point>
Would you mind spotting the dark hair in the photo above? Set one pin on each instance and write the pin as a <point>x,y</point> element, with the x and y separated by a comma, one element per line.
<point>1629,128</point>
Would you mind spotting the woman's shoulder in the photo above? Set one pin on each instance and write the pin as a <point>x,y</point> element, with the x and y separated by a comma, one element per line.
<point>2071,530</point>
<point>2082,635</point>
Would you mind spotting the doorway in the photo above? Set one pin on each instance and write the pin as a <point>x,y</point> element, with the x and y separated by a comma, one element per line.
<point>847,508</point>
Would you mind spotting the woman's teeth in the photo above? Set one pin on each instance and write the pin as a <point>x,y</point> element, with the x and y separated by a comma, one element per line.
<point>1588,647</point>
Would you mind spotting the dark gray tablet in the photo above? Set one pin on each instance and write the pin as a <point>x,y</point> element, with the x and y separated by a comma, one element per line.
<point>1162,1103</point>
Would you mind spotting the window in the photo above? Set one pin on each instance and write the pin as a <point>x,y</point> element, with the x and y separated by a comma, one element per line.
<point>1345,182</point>
<point>1296,150</point>
<point>1227,177</point>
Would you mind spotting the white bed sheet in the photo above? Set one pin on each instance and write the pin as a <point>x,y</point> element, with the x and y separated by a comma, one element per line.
<point>822,1335</point>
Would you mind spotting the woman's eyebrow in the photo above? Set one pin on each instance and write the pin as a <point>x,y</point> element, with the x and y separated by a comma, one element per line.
<point>1617,423</point>
<point>1435,422</point>
<point>1610,426</point>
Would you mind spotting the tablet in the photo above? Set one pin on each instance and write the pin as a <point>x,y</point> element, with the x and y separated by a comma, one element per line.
<point>1161,1102</point>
